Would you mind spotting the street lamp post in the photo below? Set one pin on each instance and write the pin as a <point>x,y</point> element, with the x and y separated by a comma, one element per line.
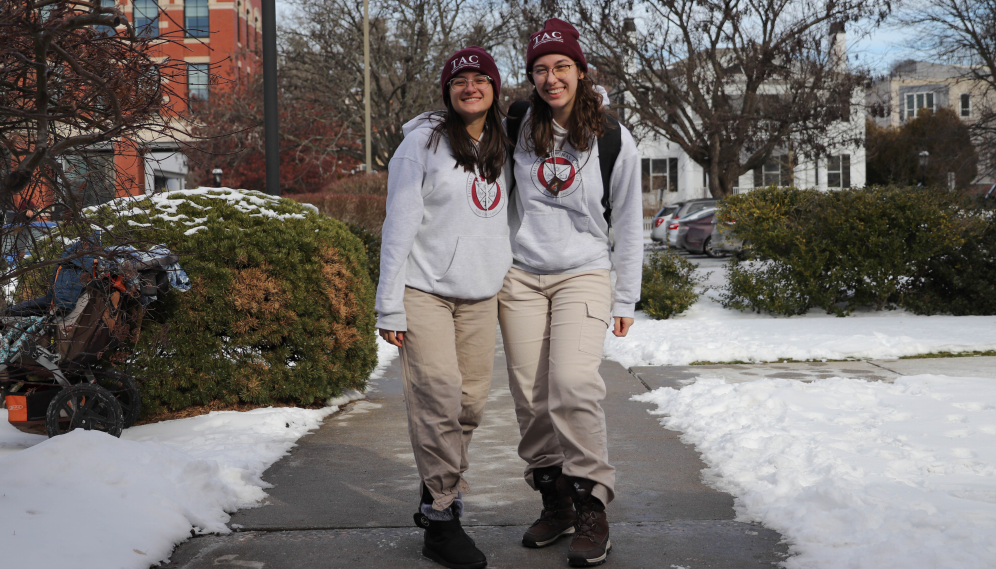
<point>924,158</point>
<point>271,125</point>
<point>216,174</point>
<point>366,82</point>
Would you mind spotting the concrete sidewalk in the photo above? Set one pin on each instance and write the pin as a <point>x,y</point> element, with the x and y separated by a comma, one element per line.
<point>345,495</point>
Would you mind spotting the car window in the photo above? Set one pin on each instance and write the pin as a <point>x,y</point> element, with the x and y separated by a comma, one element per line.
<point>666,210</point>
<point>696,215</point>
<point>694,206</point>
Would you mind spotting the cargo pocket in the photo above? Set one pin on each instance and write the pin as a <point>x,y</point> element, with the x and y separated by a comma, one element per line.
<point>596,322</point>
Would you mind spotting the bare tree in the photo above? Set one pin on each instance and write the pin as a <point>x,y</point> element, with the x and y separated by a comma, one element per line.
<point>74,79</point>
<point>228,133</point>
<point>963,32</point>
<point>731,81</point>
<point>322,60</point>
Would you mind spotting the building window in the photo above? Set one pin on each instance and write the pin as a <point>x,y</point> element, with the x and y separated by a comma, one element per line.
<point>197,82</point>
<point>195,16</point>
<point>966,105</point>
<point>106,30</point>
<point>91,177</point>
<point>775,172</point>
<point>917,101</point>
<point>238,23</point>
<point>660,175</point>
<point>839,171</point>
<point>145,16</point>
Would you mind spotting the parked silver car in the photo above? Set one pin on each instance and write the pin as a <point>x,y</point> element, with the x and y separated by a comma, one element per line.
<point>658,231</point>
<point>724,241</point>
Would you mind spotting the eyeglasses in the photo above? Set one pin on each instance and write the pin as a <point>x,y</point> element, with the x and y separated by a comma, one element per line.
<point>559,71</point>
<point>461,83</point>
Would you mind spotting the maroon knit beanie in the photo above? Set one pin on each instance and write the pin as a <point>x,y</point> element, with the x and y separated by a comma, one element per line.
<point>472,58</point>
<point>557,36</point>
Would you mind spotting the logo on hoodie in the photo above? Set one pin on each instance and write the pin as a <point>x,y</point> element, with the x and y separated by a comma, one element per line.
<point>545,37</point>
<point>486,200</point>
<point>469,61</point>
<point>557,175</point>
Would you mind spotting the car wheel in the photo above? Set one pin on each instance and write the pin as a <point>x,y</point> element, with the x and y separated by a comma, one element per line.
<point>708,249</point>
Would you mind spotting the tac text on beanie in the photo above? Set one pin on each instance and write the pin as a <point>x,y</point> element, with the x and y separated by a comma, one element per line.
<point>557,36</point>
<point>471,58</point>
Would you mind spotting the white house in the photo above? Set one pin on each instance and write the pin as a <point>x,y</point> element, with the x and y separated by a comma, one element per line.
<point>670,176</point>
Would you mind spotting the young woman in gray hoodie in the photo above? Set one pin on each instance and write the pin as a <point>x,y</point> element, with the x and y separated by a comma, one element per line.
<point>557,301</point>
<point>444,253</point>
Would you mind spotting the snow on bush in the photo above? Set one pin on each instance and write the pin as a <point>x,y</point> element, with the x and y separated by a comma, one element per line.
<point>281,309</point>
<point>854,474</point>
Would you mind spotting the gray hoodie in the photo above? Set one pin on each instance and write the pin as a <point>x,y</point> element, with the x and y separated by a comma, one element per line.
<point>557,219</point>
<point>446,230</point>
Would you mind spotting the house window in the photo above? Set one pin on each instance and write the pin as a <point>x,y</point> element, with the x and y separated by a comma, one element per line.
<point>660,175</point>
<point>195,16</point>
<point>238,23</point>
<point>966,105</point>
<point>145,15</point>
<point>91,177</point>
<point>197,82</point>
<point>839,171</point>
<point>917,101</point>
<point>775,172</point>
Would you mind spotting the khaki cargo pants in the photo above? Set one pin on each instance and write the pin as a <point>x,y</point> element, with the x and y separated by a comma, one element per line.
<point>446,362</point>
<point>553,327</point>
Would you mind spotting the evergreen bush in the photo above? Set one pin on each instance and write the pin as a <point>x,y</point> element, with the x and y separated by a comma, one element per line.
<point>840,250</point>
<point>668,287</point>
<point>281,309</point>
<point>963,281</point>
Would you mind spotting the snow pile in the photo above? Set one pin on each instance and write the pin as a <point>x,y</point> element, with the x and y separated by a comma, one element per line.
<point>87,499</point>
<point>707,332</point>
<point>854,474</point>
<point>165,206</point>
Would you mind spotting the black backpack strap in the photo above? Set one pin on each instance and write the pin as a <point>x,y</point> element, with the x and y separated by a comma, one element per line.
<point>513,122</point>
<point>609,146</point>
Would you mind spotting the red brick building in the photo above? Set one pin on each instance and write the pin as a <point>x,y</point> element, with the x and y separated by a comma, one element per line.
<point>215,39</point>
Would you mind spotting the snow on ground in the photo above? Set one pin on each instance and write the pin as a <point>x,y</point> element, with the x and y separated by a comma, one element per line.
<point>89,500</point>
<point>854,474</point>
<point>707,332</point>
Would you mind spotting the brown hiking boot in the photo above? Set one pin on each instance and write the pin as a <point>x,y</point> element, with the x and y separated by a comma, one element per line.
<point>557,518</point>
<point>591,544</point>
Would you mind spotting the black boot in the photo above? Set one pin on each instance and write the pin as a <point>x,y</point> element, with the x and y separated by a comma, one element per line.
<point>445,541</point>
<point>590,544</point>
<point>557,517</point>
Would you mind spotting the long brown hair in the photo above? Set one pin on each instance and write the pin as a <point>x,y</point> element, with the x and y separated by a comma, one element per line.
<point>488,156</point>
<point>583,127</point>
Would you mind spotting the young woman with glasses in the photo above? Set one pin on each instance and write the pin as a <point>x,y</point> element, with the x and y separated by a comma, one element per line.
<point>556,302</point>
<point>444,254</point>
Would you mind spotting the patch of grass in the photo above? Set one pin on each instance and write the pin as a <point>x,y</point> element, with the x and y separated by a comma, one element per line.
<point>778,361</point>
<point>792,361</point>
<point>950,355</point>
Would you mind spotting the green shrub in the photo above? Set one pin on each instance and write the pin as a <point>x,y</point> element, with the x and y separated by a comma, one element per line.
<point>281,307</point>
<point>668,287</point>
<point>963,281</point>
<point>371,244</point>
<point>839,250</point>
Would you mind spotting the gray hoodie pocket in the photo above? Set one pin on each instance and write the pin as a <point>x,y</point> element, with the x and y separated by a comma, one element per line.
<point>477,268</point>
<point>556,240</point>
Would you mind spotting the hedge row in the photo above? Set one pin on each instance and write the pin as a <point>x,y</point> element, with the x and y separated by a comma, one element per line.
<point>281,309</point>
<point>927,249</point>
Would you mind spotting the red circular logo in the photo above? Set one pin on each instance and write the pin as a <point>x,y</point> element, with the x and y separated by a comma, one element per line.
<point>556,175</point>
<point>485,199</point>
